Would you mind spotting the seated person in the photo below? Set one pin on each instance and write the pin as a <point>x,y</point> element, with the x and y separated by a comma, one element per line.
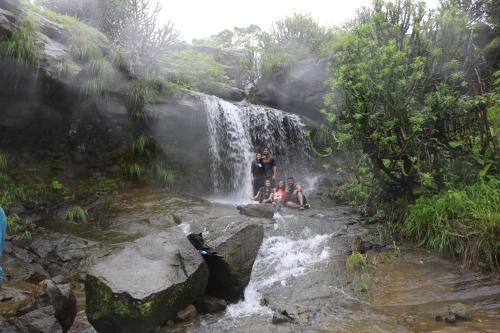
<point>297,199</point>
<point>280,195</point>
<point>290,182</point>
<point>265,194</point>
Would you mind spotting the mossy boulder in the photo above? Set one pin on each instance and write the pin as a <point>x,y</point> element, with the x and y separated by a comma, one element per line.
<point>145,284</point>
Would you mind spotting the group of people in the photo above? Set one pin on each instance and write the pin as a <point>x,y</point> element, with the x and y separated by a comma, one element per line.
<point>264,179</point>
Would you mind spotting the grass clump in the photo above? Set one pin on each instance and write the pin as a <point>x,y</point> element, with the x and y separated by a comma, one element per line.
<point>23,46</point>
<point>3,162</point>
<point>63,70</point>
<point>140,144</point>
<point>356,260</point>
<point>165,176</point>
<point>77,214</point>
<point>17,228</point>
<point>464,222</point>
<point>135,171</point>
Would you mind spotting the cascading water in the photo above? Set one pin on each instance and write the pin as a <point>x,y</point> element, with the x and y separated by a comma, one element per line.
<point>237,131</point>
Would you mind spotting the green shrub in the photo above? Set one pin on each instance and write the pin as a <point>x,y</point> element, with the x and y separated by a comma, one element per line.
<point>465,222</point>
<point>356,260</point>
<point>77,214</point>
<point>165,176</point>
<point>56,185</point>
<point>63,70</point>
<point>23,46</point>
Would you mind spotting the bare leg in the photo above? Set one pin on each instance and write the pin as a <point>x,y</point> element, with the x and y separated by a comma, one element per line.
<point>291,204</point>
<point>300,196</point>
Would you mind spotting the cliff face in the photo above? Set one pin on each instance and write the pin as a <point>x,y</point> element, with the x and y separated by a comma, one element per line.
<point>299,89</point>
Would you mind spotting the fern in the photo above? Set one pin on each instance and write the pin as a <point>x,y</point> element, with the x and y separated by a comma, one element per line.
<point>165,176</point>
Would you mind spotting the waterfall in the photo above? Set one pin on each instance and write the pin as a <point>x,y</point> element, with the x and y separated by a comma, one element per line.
<point>238,130</point>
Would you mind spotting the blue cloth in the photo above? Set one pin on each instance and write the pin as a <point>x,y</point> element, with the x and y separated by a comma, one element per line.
<point>3,231</point>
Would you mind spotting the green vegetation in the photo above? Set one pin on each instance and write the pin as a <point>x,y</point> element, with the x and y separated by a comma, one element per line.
<point>165,176</point>
<point>356,260</point>
<point>465,222</point>
<point>135,171</point>
<point>77,214</point>
<point>193,69</point>
<point>19,230</point>
<point>56,185</point>
<point>23,46</point>
<point>414,109</point>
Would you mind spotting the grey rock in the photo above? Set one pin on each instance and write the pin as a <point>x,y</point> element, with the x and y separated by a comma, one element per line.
<point>460,311</point>
<point>211,305</point>
<point>282,316</point>
<point>237,241</point>
<point>257,210</point>
<point>187,314</point>
<point>144,285</point>
<point>61,298</point>
<point>42,320</point>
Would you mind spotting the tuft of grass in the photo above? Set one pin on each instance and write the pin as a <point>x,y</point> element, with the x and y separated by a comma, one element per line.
<point>77,214</point>
<point>363,285</point>
<point>63,70</point>
<point>94,87</point>
<point>140,144</point>
<point>165,176</point>
<point>135,171</point>
<point>356,260</point>
<point>23,46</point>
<point>465,222</point>
<point>17,228</point>
<point>141,92</point>
<point>3,162</point>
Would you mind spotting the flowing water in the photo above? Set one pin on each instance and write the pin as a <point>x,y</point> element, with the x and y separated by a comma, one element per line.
<point>237,131</point>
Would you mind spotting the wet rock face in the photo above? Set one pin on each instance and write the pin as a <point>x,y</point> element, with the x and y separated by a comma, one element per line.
<point>41,320</point>
<point>145,284</point>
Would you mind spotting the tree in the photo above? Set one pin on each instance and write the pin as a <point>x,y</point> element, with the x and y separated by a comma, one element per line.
<point>405,91</point>
<point>142,42</point>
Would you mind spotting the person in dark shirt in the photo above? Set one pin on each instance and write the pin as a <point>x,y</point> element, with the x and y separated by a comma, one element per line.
<point>265,194</point>
<point>257,173</point>
<point>290,182</point>
<point>270,168</point>
<point>297,199</point>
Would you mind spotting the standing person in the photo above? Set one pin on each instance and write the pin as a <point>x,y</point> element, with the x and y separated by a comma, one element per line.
<point>257,173</point>
<point>269,165</point>
<point>298,199</point>
<point>280,195</point>
<point>3,231</point>
<point>265,194</point>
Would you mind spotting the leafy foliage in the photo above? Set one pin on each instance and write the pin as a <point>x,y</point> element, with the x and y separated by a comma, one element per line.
<point>400,94</point>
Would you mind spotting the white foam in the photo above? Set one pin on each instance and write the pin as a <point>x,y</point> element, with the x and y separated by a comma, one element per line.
<point>280,259</point>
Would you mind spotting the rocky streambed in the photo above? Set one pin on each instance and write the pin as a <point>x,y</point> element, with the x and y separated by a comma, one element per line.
<point>293,267</point>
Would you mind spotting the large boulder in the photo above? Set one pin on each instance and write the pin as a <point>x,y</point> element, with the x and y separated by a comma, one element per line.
<point>237,242</point>
<point>299,89</point>
<point>145,284</point>
<point>257,210</point>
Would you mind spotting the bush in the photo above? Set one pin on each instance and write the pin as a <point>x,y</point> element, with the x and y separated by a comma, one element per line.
<point>465,222</point>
